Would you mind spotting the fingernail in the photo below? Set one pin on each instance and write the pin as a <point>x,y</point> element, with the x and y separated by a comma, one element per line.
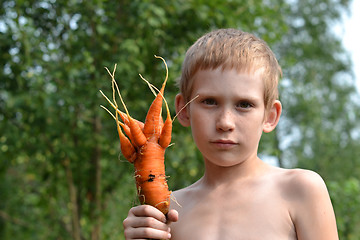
<point>169,235</point>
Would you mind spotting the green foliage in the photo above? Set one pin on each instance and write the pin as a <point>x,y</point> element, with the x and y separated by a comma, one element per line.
<point>346,198</point>
<point>320,102</point>
<point>61,173</point>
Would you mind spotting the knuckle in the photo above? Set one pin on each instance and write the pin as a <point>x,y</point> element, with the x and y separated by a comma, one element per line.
<point>127,233</point>
<point>147,209</point>
<point>149,222</point>
<point>146,231</point>
<point>126,222</point>
<point>133,209</point>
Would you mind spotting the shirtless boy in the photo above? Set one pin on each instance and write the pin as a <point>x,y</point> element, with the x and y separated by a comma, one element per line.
<point>235,76</point>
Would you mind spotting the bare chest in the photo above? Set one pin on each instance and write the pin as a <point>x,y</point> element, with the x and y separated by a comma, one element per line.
<point>237,215</point>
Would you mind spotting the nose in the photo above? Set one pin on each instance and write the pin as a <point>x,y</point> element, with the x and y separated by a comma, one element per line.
<point>225,121</point>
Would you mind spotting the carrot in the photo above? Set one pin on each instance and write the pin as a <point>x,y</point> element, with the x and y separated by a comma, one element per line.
<point>144,145</point>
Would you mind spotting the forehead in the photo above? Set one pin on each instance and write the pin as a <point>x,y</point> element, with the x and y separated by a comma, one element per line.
<point>228,82</point>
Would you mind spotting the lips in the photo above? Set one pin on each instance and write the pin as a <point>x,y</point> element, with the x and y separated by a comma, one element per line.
<point>224,143</point>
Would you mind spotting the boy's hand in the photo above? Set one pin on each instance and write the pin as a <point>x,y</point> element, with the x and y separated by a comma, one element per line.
<point>145,221</point>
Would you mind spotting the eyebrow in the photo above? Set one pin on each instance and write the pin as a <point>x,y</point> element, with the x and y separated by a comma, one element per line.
<point>213,94</point>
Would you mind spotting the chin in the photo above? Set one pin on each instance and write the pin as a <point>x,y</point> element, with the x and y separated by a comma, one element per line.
<point>225,163</point>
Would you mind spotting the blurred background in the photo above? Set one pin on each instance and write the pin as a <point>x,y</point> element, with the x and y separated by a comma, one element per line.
<point>61,172</point>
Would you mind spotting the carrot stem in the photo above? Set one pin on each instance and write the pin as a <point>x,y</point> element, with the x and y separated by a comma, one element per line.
<point>118,91</point>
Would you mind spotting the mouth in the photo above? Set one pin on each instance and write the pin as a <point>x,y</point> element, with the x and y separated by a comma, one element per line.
<point>224,143</point>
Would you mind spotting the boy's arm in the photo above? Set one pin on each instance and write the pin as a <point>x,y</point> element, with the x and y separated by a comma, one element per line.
<point>147,222</point>
<point>312,212</point>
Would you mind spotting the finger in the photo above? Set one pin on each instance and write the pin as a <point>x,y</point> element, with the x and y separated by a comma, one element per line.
<point>172,216</point>
<point>148,211</point>
<point>146,233</point>
<point>141,222</point>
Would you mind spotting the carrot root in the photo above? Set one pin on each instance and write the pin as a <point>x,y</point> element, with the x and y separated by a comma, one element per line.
<point>145,143</point>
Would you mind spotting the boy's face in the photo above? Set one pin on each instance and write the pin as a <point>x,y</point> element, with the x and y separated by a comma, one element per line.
<point>228,116</point>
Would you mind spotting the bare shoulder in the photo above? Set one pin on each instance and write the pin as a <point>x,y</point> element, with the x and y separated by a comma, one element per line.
<point>301,183</point>
<point>302,189</point>
<point>295,182</point>
<point>309,204</point>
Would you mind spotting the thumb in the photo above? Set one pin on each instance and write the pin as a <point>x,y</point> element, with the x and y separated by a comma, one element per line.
<point>172,216</point>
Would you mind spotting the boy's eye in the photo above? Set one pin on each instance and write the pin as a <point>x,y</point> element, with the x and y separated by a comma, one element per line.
<point>209,101</point>
<point>244,105</point>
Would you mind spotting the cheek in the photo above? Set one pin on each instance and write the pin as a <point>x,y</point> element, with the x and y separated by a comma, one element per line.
<point>199,126</point>
<point>257,130</point>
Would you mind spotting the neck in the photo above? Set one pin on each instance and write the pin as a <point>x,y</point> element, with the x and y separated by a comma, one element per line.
<point>215,175</point>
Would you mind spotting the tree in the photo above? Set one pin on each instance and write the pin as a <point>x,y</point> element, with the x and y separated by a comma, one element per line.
<point>61,173</point>
<point>318,93</point>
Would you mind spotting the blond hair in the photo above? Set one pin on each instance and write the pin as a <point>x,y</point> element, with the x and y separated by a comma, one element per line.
<point>231,49</point>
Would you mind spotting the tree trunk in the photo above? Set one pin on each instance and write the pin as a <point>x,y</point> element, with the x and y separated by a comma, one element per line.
<point>96,215</point>
<point>75,221</point>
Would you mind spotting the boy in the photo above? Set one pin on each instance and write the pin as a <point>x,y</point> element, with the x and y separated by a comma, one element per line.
<point>234,76</point>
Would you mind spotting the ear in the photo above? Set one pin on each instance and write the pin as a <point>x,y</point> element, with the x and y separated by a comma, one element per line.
<point>181,110</point>
<point>272,116</point>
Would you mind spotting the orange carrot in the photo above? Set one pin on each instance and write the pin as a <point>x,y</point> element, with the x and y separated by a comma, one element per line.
<point>127,148</point>
<point>144,145</point>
